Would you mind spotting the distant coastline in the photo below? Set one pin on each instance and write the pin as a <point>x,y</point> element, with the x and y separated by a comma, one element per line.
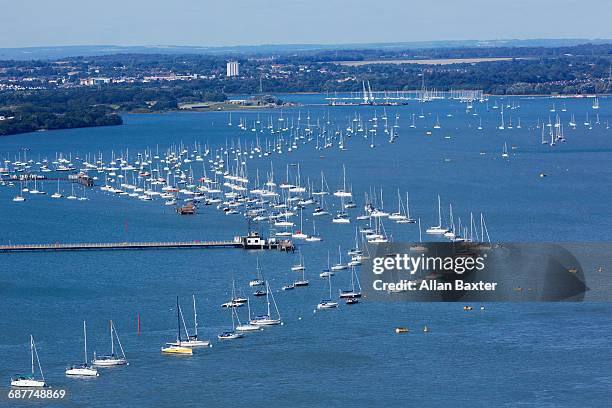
<point>95,90</point>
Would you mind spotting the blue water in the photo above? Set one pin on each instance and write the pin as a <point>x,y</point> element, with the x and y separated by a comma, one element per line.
<point>543,355</point>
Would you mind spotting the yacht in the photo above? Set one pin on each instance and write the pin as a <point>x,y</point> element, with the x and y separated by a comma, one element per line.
<point>230,334</point>
<point>111,359</point>
<point>355,291</point>
<point>339,266</point>
<point>30,380</point>
<point>327,303</point>
<point>84,369</point>
<point>246,327</point>
<point>193,340</point>
<point>438,229</point>
<point>267,319</point>
<point>259,280</point>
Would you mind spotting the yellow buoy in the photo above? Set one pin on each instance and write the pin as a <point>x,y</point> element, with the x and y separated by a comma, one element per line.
<point>400,330</point>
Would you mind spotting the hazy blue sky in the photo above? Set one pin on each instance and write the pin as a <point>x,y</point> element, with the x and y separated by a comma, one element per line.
<point>246,22</point>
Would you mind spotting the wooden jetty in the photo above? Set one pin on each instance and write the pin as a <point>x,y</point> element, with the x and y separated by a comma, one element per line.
<point>252,241</point>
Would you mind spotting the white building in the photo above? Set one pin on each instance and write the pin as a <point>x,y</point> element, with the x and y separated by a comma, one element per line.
<point>232,68</point>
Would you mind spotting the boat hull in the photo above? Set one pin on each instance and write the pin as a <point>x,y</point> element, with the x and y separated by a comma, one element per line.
<point>177,350</point>
<point>110,362</point>
<point>82,372</point>
<point>25,383</point>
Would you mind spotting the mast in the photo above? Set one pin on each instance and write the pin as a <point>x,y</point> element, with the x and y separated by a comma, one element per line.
<point>178,320</point>
<point>85,336</point>
<point>439,212</point>
<point>195,317</point>
<point>407,207</point>
<point>268,297</point>
<point>32,353</point>
<point>420,235</point>
<point>112,339</point>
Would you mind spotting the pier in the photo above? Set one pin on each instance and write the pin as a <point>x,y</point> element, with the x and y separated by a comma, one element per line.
<point>239,242</point>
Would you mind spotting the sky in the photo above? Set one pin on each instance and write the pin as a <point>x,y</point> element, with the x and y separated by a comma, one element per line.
<point>28,23</point>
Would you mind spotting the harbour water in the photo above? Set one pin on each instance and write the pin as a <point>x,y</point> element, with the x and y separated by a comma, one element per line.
<point>540,354</point>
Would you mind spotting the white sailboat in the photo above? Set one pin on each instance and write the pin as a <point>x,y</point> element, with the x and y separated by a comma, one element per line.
<point>84,369</point>
<point>438,229</point>
<point>398,215</point>
<point>193,340</point>
<point>112,359</point>
<point>267,319</point>
<point>355,291</point>
<point>343,191</point>
<point>328,303</point>
<point>327,272</point>
<point>301,282</point>
<point>57,194</point>
<point>339,266</point>
<point>505,151</point>
<point>407,219</point>
<point>300,266</point>
<point>246,327</point>
<point>230,334</point>
<point>30,380</point>
<point>259,280</point>
<point>19,198</point>
<point>300,234</point>
<point>314,237</point>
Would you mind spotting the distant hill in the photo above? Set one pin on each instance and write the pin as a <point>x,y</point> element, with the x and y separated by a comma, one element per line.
<point>56,52</point>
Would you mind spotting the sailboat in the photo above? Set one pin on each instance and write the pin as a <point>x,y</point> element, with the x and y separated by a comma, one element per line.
<point>300,234</point>
<point>343,192</point>
<point>314,237</point>
<point>505,151</point>
<point>230,334</point>
<point>339,266</point>
<point>83,370</point>
<point>353,292</point>
<point>19,198</point>
<point>398,215</point>
<point>259,280</point>
<point>57,194</point>
<point>300,266</point>
<point>177,348</point>
<point>246,327</point>
<point>192,339</point>
<point>355,251</point>
<point>544,141</point>
<point>301,282</point>
<point>438,229</point>
<point>437,125</point>
<point>407,219</point>
<point>30,380</point>
<point>112,359</point>
<point>72,196</point>
<point>267,319</point>
<point>327,303</point>
<point>501,126</point>
<point>326,272</point>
